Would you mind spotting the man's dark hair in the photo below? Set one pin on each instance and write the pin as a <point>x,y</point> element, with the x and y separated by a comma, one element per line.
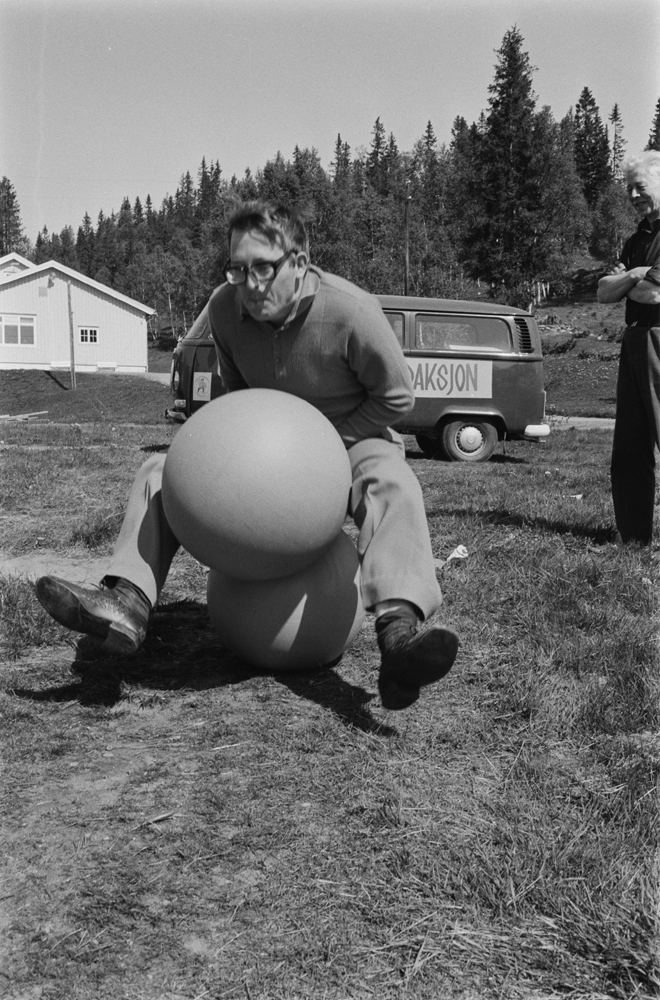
<point>276,223</point>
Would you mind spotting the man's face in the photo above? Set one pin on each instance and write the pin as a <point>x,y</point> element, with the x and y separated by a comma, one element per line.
<point>268,301</point>
<point>644,193</point>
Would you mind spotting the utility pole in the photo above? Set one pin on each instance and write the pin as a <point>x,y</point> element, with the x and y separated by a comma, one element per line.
<point>406,226</point>
<point>71,338</point>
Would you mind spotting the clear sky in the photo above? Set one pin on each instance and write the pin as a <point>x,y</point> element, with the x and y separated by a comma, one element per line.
<point>101,99</point>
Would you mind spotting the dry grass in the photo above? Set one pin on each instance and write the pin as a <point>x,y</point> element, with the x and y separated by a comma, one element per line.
<point>179,825</point>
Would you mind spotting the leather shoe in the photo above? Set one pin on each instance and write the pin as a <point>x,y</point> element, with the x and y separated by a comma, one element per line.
<point>117,614</point>
<point>410,660</point>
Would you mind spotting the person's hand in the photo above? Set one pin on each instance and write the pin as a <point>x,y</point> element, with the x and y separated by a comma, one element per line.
<point>638,273</point>
<point>616,269</point>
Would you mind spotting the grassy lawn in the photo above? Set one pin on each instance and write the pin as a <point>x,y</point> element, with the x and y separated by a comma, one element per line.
<point>179,825</point>
<point>581,348</point>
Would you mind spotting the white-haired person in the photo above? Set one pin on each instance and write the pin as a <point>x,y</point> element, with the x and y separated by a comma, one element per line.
<point>636,278</point>
<point>280,323</point>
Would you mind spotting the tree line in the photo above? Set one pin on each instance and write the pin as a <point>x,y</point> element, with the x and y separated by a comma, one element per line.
<point>513,199</point>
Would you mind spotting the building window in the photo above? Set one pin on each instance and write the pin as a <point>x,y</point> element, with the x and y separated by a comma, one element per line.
<point>17,330</point>
<point>89,335</point>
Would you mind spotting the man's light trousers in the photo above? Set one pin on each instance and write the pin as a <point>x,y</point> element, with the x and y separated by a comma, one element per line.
<point>385,502</point>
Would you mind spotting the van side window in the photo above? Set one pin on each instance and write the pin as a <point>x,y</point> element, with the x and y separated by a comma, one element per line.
<point>445,333</point>
<point>396,322</point>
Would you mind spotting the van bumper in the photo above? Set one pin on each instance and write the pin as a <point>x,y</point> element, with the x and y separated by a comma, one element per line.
<point>533,432</point>
<point>176,416</point>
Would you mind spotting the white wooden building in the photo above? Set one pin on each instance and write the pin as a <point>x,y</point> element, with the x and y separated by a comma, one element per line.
<point>44,308</point>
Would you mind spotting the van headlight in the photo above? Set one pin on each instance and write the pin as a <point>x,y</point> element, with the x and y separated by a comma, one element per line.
<point>175,381</point>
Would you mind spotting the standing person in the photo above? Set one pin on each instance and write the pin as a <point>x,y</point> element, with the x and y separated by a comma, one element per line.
<point>280,323</point>
<point>636,277</point>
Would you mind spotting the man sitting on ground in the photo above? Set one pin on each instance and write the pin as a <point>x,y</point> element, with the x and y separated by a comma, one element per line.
<point>279,323</point>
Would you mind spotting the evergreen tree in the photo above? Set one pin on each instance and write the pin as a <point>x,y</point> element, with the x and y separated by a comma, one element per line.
<point>125,234</point>
<point>505,187</point>
<point>67,249</point>
<point>209,194</point>
<point>307,165</point>
<point>394,179</point>
<point>654,137</point>
<point>278,181</point>
<point>618,142</point>
<point>85,240</point>
<point>463,194</point>
<point>184,202</point>
<point>107,251</point>
<point>341,165</point>
<point>314,196</point>
<point>55,247</point>
<point>428,178</point>
<point>592,150</point>
<point>374,166</point>
<point>42,247</point>
<point>11,228</point>
<point>563,220</point>
<point>515,203</point>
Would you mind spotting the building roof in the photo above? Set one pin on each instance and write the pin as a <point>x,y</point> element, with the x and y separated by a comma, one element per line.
<point>13,262</point>
<point>52,266</point>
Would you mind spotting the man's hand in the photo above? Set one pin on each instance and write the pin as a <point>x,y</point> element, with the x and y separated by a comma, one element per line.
<point>638,273</point>
<point>616,284</point>
<point>646,292</point>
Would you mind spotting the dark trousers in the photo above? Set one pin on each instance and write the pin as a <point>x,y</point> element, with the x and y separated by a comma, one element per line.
<point>636,433</point>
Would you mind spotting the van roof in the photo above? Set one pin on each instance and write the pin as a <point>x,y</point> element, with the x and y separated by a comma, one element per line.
<point>448,305</point>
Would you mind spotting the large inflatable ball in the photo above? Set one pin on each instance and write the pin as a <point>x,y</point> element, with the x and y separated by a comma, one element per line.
<point>296,622</point>
<point>256,484</point>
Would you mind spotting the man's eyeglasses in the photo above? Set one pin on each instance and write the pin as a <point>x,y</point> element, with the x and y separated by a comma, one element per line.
<point>263,270</point>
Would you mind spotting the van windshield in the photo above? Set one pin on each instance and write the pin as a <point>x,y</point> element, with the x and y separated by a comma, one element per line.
<point>461,333</point>
<point>200,328</point>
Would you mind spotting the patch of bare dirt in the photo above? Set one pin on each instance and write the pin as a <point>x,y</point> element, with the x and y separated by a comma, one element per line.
<point>81,569</point>
<point>77,567</point>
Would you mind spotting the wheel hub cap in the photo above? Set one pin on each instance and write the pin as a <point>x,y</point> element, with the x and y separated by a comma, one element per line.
<point>469,439</point>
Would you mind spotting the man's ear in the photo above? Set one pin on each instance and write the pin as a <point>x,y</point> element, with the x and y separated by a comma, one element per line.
<point>302,262</point>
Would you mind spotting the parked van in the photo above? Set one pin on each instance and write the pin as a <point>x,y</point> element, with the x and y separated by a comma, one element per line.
<point>476,368</point>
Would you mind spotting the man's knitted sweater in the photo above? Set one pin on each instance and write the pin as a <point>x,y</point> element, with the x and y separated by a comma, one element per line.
<point>336,350</point>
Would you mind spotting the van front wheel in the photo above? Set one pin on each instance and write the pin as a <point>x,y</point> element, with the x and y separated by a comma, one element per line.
<point>468,440</point>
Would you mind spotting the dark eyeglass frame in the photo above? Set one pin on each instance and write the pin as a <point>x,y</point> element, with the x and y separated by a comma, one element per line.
<point>243,270</point>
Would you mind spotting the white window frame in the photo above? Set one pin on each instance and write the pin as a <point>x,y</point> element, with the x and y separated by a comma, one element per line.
<point>21,322</point>
<point>90,331</point>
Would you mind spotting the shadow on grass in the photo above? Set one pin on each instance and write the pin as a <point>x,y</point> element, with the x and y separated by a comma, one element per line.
<point>501,516</point>
<point>57,382</point>
<point>182,651</point>
<point>499,459</point>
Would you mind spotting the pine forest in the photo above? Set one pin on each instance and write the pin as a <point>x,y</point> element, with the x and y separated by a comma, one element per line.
<point>513,200</point>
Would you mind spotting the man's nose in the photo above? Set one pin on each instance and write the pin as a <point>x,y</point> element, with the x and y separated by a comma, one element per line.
<point>251,280</point>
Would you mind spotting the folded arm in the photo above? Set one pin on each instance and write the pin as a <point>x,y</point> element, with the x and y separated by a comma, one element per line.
<point>647,290</point>
<point>619,283</point>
